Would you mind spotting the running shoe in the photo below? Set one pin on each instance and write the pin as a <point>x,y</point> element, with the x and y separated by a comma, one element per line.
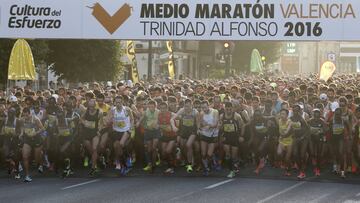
<point>301,175</point>
<point>129,162</point>
<point>17,176</point>
<point>86,162</point>
<point>189,168</point>
<point>67,164</point>
<point>117,165</point>
<point>169,171</point>
<point>41,169</point>
<point>342,174</point>
<point>206,172</point>
<point>158,160</point>
<point>148,168</point>
<point>66,173</point>
<point>27,179</point>
<point>46,161</point>
<point>335,169</point>
<point>231,174</point>
<point>20,168</point>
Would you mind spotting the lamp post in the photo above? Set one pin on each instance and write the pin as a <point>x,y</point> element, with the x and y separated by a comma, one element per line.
<point>227,52</point>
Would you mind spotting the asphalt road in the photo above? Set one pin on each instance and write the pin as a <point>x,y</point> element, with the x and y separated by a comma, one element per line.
<point>181,187</point>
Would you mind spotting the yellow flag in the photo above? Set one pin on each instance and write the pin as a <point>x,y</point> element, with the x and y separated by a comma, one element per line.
<point>130,51</point>
<point>21,63</point>
<point>327,70</point>
<point>171,65</point>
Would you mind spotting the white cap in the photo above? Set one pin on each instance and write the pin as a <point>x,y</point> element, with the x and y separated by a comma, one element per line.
<point>13,99</point>
<point>323,97</point>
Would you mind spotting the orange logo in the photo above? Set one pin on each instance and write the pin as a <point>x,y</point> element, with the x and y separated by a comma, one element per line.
<point>111,23</point>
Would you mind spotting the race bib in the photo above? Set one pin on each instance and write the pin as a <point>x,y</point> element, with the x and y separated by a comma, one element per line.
<point>261,129</point>
<point>337,130</point>
<point>296,125</point>
<point>9,131</point>
<point>166,128</point>
<point>90,124</point>
<point>120,124</point>
<point>29,132</point>
<point>229,128</point>
<point>315,131</point>
<point>64,132</point>
<point>188,122</point>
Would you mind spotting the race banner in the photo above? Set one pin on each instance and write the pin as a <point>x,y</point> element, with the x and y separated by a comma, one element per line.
<point>171,65</point>
<point>130,52</point>
<point>284,20</point>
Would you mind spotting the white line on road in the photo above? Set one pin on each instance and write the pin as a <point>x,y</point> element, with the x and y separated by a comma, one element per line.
<point>281,192</point>
<point>80,184</point>
<point>319,198</point>
<point>206,188</point>
<point>218,184</point>
<point>181,196</point>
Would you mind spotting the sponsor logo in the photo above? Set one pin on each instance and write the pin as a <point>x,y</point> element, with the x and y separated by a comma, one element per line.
<point>114,22</point>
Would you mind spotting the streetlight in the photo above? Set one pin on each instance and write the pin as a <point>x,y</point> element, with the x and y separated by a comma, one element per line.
<point>227,52</point>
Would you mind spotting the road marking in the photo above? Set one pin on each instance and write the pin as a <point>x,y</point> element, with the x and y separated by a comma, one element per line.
<point>206,188</point>
<point>218,184</point>
<point>358,195</point>
<point>181,196</point>
<point>319,198</point>
<point>80,184</point>
<point>281,192</point>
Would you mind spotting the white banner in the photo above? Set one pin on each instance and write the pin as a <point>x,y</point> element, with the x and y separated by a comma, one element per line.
<point>178,20</point>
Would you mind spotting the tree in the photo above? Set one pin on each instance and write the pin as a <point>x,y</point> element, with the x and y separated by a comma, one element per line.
<point>85,60</point>
<point>39,49</point>
<point>243,49</point>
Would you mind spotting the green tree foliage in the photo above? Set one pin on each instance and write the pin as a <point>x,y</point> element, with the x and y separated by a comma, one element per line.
<point>243,49</point>
<point>85,60</point>
<point>39,49</point>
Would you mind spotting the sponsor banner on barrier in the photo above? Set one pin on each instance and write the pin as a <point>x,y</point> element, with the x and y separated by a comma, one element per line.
<point>181,20</point>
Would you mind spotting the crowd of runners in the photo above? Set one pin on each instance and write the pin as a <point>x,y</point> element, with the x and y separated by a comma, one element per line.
<point>292,123</point>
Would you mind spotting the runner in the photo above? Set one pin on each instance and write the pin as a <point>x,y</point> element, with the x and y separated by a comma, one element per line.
<point>318,128</point>
<point>31,127</point>
<point>188,131</point>
<point>339,129</point>
<point>300,143</point>
<point>168,136</point>
<point>259,140</point>
<point>122,121</point>
<point>11,143</point>
<point>92,122</point>
<point>285,141</point>
<point>232,132</point>
<point>67,126</point>
<point>150,120</point>
<point>209,132</point>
